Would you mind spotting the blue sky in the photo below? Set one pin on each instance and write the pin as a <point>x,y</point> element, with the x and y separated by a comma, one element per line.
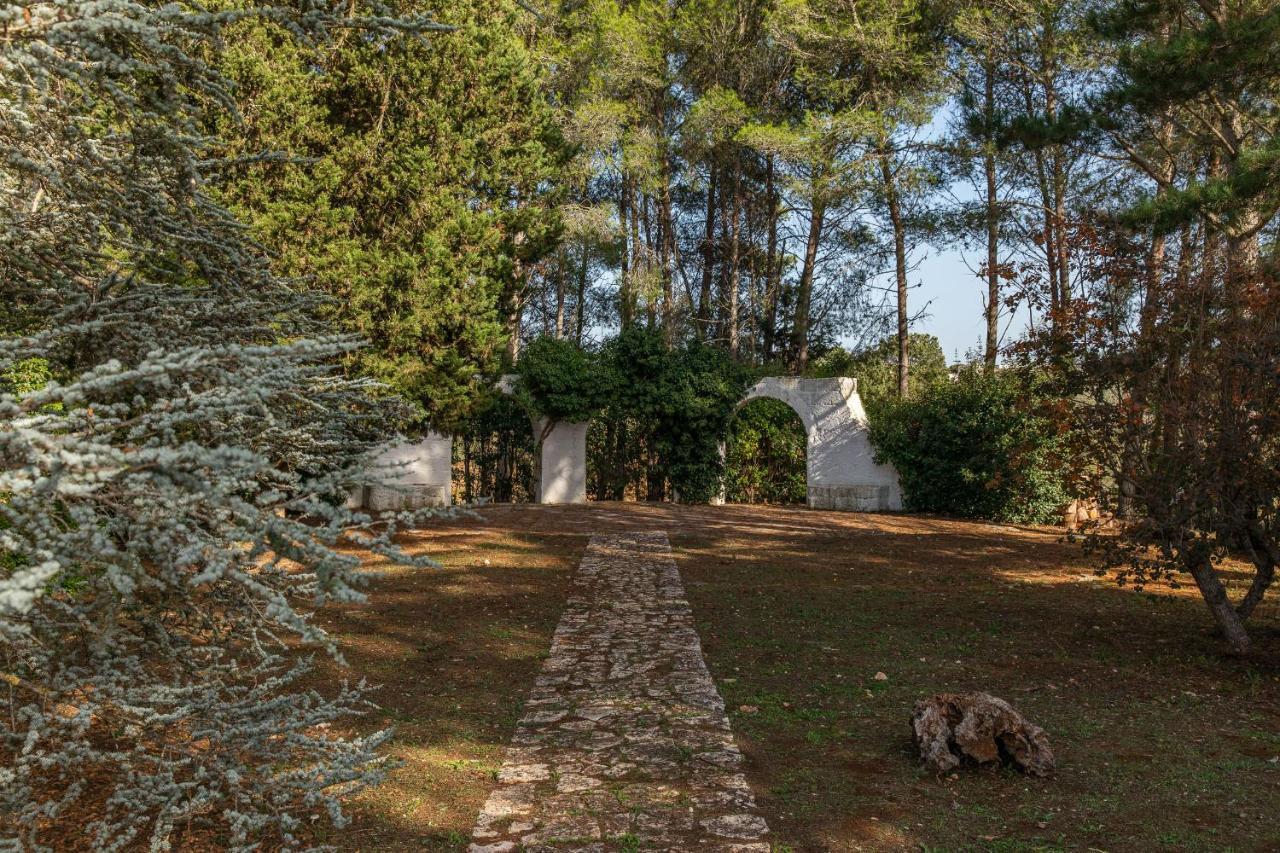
<point>953,296</point>
<point>945,287</point>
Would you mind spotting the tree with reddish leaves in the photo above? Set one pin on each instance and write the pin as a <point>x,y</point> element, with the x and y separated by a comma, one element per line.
<point>1170,358</point>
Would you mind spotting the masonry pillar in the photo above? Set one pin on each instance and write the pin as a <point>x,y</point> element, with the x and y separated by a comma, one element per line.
<point>718,499</point>
<point>841,471</point>
<point>562,462</point>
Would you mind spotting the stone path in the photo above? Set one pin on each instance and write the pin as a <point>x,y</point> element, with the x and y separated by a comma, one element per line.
<point>624,744</point>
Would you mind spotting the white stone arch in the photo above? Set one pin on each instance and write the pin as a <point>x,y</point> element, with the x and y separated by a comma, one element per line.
<point>840,467</point>
<point>561,450</point>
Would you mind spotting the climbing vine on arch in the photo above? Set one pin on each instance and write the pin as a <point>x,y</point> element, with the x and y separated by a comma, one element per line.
<point>765,455</point>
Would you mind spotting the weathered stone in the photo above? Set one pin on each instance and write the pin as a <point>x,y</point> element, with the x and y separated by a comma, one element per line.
<point>842,472</point>
<point>625,733</point>
<point>523,773</point>
<point>562,464</point>
<point>951,728</point>
<point>415,475</point>
<point>744,826</point>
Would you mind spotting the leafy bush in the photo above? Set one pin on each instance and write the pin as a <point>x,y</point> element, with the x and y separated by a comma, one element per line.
<point>561,381</point>
<point>975,448</point>
<point>703,385</point>
<point>667,409</point>
<point>765,455</point>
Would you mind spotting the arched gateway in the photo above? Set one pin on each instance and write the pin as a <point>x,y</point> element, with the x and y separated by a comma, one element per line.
<point>841,471</point>
<point>840,467</point>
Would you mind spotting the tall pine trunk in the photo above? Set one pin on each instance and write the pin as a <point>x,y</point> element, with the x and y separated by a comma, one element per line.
<point>708,256</point>
<point>804,292</point>
<point>769,314</point>
<point>581,313</point>
<point>628,270</point>
<point>993,220</point>
<point>561,259</point>
<point>735,271</point>
<point>894,204</point>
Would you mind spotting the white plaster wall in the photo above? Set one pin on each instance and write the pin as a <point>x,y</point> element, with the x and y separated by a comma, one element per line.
<point>416,474</point>
<point>562,467</point>
<point>841,469</point>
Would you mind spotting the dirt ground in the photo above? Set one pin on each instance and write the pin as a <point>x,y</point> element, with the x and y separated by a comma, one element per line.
<point>1163,742</point>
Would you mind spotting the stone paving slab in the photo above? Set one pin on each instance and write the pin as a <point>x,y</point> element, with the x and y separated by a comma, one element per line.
<point>624,743</point>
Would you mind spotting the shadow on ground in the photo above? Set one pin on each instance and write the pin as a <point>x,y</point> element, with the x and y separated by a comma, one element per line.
<point>1163,742</point>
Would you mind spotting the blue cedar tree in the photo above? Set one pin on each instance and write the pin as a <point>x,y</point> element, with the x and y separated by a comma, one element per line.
<point>172,474</point>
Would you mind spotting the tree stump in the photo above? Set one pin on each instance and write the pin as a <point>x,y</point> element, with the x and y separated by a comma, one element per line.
<point>951,728</point>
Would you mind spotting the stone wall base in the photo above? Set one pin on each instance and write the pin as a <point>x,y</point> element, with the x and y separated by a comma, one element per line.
<point>859,498</point>
<point>383,498</point>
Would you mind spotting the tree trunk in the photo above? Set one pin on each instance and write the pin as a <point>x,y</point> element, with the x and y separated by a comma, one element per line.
<point>466,469</point>
<point>708,257</point>
<point>993,223</point>
<point>804,293</point>
<point>515,314</point>
<point>646,228</point>
<point>769,315</point>
<point>1264,556</point>
<point>580,319</point>
<point>900,267</point>
<point>624,283</point>
<point>1215,596</point>
<point>560,292</point>
<point>735,271</point>
<point>667,231</point>
<point>1047,237</point>
<point>655,485</point>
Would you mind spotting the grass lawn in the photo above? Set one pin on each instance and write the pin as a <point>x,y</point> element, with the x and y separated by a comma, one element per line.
<point>1162,742</point>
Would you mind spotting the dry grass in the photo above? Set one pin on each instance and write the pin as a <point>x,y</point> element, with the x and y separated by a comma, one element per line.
<point>1163,743</point>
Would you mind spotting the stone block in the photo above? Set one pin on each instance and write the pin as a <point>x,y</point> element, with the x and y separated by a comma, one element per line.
<point>385,498</point>
<point>413,475</point>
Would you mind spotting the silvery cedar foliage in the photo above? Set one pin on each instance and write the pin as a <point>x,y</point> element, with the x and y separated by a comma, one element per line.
<point>171,498</point>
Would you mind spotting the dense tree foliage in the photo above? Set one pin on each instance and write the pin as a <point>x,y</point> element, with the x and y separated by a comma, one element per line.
<point>415,183</point>
<point>744,170</point>
<point>765,455</point>
<point>876,368</point>
<point>635,207</point>
<point>560,381</point>
<point>1168,351</point>
<point>659,434</point>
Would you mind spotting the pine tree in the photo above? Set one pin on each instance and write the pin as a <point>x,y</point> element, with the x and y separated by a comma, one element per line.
<point>1171,355</point>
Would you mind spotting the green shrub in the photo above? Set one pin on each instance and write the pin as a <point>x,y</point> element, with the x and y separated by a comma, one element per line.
<point>666,411</point>
<point>977,447</point>
<point>561,381</point>
<point>25,376</point>
<point>702,388</point>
